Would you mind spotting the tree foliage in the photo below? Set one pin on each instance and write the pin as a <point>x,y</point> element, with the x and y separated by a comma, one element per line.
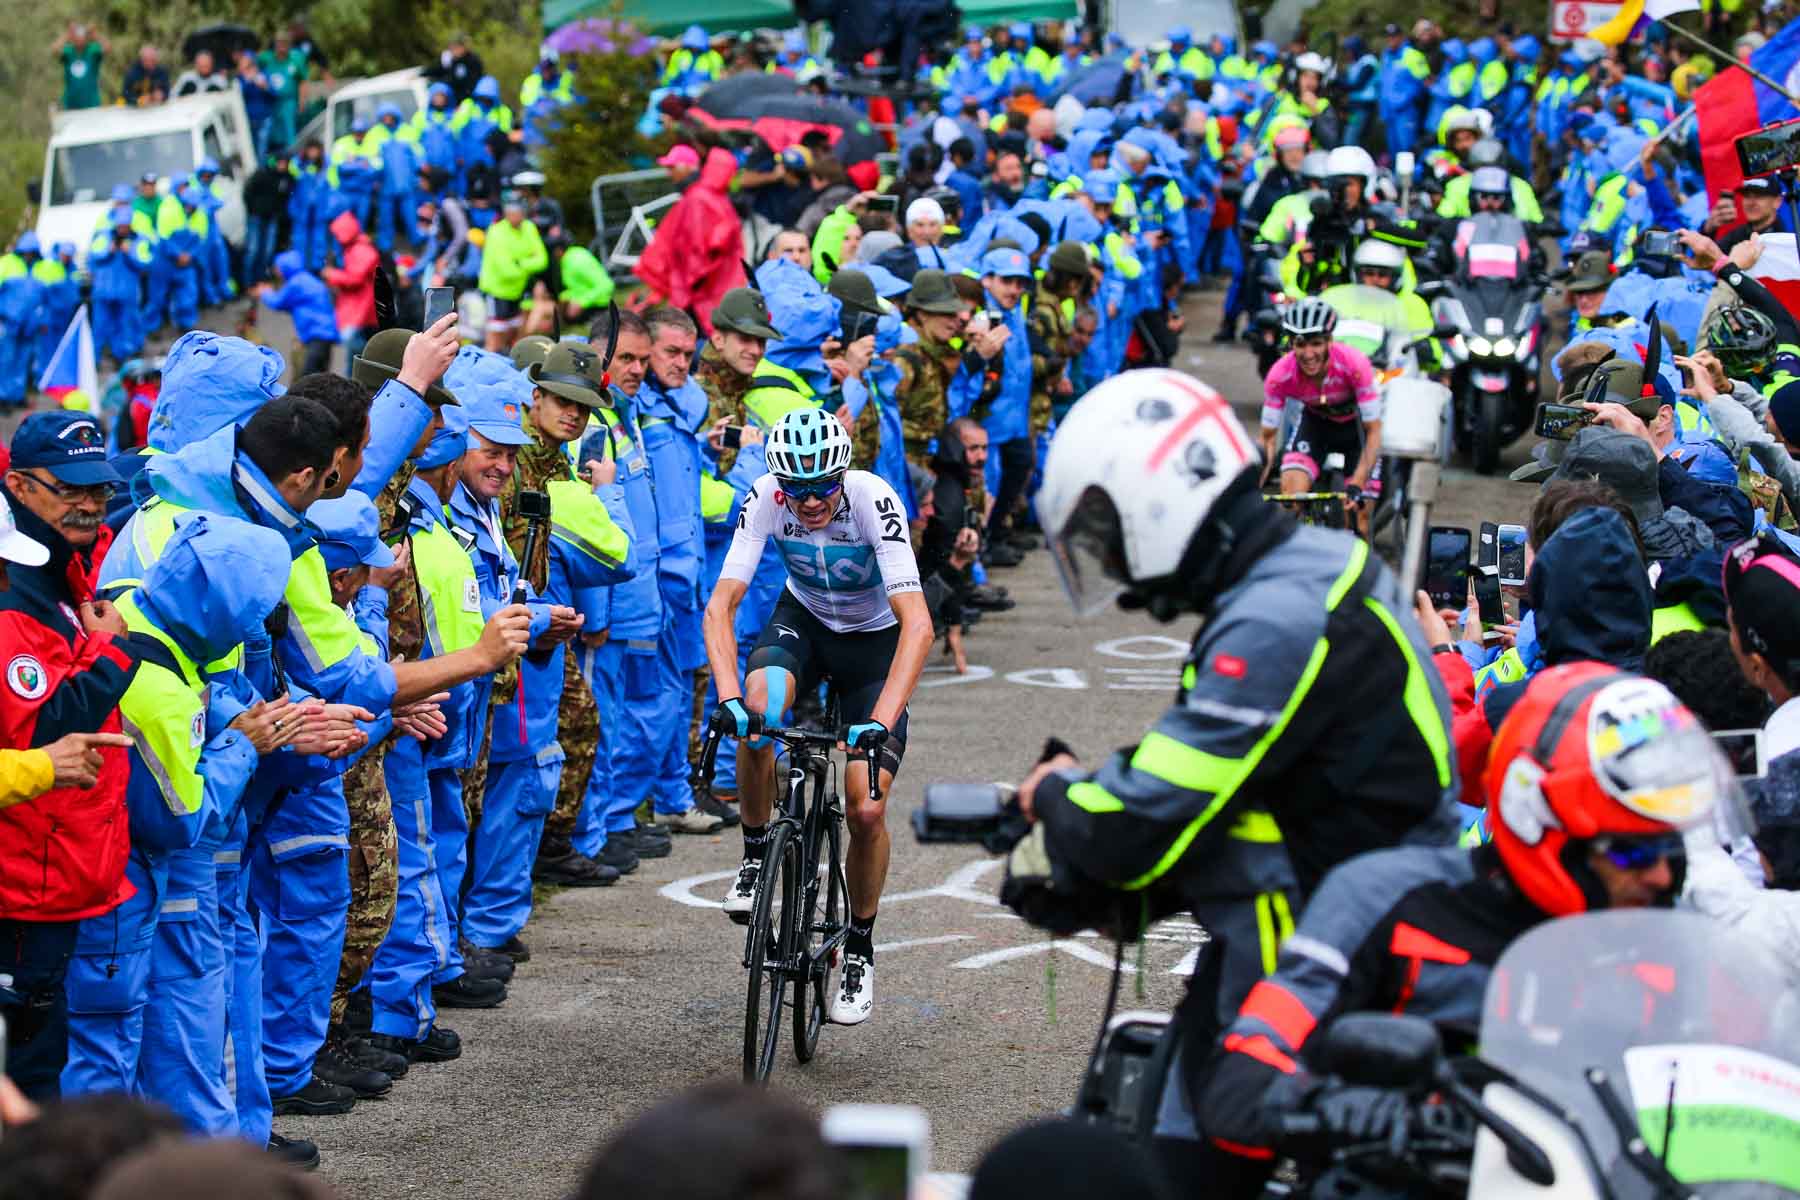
<point>615,70</point>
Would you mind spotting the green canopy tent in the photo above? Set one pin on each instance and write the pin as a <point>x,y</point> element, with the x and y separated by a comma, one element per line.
<point>721,16</point>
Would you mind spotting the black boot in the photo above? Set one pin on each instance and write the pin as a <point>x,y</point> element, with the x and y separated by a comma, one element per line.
<point>335,1064</point>
<point>467,992</point>
<point>295,1152</point>
<point>316,1099</point>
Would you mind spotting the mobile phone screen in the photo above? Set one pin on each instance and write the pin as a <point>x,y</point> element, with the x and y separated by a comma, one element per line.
<point>733,437</point>
<point>1744,748</point>
<point>440,302</point>
<point>877,1172</point>
<point>1512,555</point>
<point>1447,566</point>
<point>1560,422</point>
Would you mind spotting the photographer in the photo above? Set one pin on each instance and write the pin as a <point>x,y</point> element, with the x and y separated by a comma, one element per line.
<point>1320,257</point>
<point>951,539</point>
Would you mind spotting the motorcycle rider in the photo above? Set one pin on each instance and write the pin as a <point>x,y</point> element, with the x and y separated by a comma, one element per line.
<point>1383,265</point>
<point>1150,495</point>
<point>1593,777</point>
<point>1321,255</point>
<point>1489,152</point>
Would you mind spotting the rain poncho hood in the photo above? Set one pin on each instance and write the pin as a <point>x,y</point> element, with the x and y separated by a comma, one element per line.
<point>216,580</point>
<point>208,383</point>
<point>1591,593</point>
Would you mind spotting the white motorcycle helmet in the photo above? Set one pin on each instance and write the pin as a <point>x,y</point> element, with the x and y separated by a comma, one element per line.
<point>1318,64</point>
<point>1134,472</point>
<point>1375,255</point>
<point>1352,160</point>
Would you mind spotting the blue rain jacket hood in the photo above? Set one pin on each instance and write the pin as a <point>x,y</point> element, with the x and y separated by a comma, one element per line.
<point>212,476</point>
<point>695,39</point>
<point>1591,593</point>
<point>211,382</point>
<point>1483,51</point>
<point>483,371</point>
<point>217,579</point>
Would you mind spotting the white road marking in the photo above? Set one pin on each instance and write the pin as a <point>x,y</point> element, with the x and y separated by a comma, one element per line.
<point>942,939</point>
<point>1065,678</point>
<point>943,676</point>
<point>1066,945</point>
<point>1156,647</point>
<point>961,885</point>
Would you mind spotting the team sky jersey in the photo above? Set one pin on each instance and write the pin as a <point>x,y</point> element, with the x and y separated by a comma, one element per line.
<point>843,573</point>
<point>1348,389</point>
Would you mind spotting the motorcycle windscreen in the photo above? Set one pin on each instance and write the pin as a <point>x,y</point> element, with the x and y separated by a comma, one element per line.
<point>1686,1017</point>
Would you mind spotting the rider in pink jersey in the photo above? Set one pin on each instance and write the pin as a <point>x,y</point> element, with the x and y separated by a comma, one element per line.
<point>1334,384</point>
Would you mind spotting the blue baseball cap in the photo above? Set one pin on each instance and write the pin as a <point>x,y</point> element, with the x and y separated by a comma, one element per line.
<point>447,444</point>
<point>350,532</point>
<point>495,417</point>
<point>69,445</point>
<point>1006,263</point>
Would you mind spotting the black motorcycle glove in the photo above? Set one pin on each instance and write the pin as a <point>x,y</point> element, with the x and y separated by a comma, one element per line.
<point>1338,1114</point>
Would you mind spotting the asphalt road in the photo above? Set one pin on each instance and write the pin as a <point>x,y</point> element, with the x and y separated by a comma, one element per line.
<point>636,991</point>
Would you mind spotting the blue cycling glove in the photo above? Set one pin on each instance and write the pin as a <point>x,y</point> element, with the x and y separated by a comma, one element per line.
<point>875,731</point>
<point>732,717</point>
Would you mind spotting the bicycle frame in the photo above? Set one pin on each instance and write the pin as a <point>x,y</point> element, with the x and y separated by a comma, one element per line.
<point>800,949</point>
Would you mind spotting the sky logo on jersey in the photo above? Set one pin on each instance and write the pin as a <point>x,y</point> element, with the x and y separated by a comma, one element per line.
<point>833,568</point>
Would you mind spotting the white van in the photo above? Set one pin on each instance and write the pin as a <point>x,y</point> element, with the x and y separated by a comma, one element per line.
<point>405,90</point>
<point>92,150</point>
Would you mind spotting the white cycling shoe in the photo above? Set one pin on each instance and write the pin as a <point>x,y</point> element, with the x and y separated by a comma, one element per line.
<point>854,999</point>
<point>742,896</point>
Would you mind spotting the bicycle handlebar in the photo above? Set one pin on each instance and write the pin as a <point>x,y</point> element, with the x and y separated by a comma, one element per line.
<point>795,739</point>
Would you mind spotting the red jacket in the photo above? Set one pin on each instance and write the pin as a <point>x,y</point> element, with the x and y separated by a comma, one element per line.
<point>1469,728</point>
<point>697,254</point>
<point>354,282</point>
<point>62,855</point>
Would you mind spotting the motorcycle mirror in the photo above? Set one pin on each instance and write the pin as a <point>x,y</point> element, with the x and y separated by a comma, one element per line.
<point>1382,1050</point>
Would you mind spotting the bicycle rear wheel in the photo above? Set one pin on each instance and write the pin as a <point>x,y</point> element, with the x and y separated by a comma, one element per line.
<point>770,950</point>
<point>827,908</point>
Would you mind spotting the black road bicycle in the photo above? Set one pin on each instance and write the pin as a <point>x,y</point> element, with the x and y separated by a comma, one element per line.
<point>800,917</point>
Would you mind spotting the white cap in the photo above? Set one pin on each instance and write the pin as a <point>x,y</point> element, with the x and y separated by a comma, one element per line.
<point>15,546</point>
<point>924,209</point>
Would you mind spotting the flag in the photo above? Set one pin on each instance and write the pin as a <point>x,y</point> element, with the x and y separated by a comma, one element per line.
<point>1662,10</point>
<point>1734,102</point>
<point>71,368</point>
<point>1616,31</point>
<point>1779,269</point>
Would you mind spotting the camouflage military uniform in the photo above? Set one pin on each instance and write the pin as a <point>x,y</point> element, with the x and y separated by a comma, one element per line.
<point>1047,328</point>
<point>923,393</point>
<point>374,843</point>
<point>578,723</point>
<point>725,389</point>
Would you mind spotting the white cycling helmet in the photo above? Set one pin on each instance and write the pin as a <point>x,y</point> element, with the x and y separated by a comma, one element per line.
<point>1307,317</point>
<point>1351,160</point>
<point>1314,165</point>
<point>1134,471</point>
<point>806,445</point>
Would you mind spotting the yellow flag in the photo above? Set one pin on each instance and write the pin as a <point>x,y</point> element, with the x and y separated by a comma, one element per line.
<point>1615,31</point>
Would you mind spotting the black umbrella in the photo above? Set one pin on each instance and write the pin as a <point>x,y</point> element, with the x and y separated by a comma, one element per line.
<point>222,41</point>
<point>725,98</point>
<point>1097,82</point>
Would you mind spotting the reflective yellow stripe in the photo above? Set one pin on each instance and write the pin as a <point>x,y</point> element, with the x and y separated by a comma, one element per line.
<point>1180,764</point>
<point>1188,676</point>
<point>1284,916</point>
<point>448,586</point>
<point>1359,555</point>
<point>1257,826</point>
<point>1417,695</point>
<point>1093,798</point>
<point>1242,771</point>
<point>324,632</point>
<point>580,520</point>
<point>1266,935</point>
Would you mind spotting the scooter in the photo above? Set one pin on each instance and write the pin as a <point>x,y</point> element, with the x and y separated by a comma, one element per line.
<point>1495,303</point>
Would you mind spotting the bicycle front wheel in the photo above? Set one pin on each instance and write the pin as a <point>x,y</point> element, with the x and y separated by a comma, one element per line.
<point>770,950</point>
<point>827,908</point>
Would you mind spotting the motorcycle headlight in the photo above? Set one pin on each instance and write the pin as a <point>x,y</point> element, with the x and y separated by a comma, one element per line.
<point>1480,345</point>
<point>1504,347</point>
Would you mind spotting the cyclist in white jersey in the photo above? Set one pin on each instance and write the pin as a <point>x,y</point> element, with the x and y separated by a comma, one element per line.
<point>853,610</point>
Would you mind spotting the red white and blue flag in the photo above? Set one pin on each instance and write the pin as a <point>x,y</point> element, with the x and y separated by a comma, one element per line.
<point>72,368</point>
<point>1734,102</point>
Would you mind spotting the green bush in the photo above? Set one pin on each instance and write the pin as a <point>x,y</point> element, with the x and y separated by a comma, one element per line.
<point>598,134</point>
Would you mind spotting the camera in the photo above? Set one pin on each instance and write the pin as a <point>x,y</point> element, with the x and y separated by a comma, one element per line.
<point>859,324</point>
<point>733,437</point>
<point>534,506</point>
<point>1660,243</point>
<point>1560,422</point>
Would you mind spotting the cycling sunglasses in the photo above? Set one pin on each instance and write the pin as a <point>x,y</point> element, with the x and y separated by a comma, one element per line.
<point>1640,854</point>
<point>812,489</point>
